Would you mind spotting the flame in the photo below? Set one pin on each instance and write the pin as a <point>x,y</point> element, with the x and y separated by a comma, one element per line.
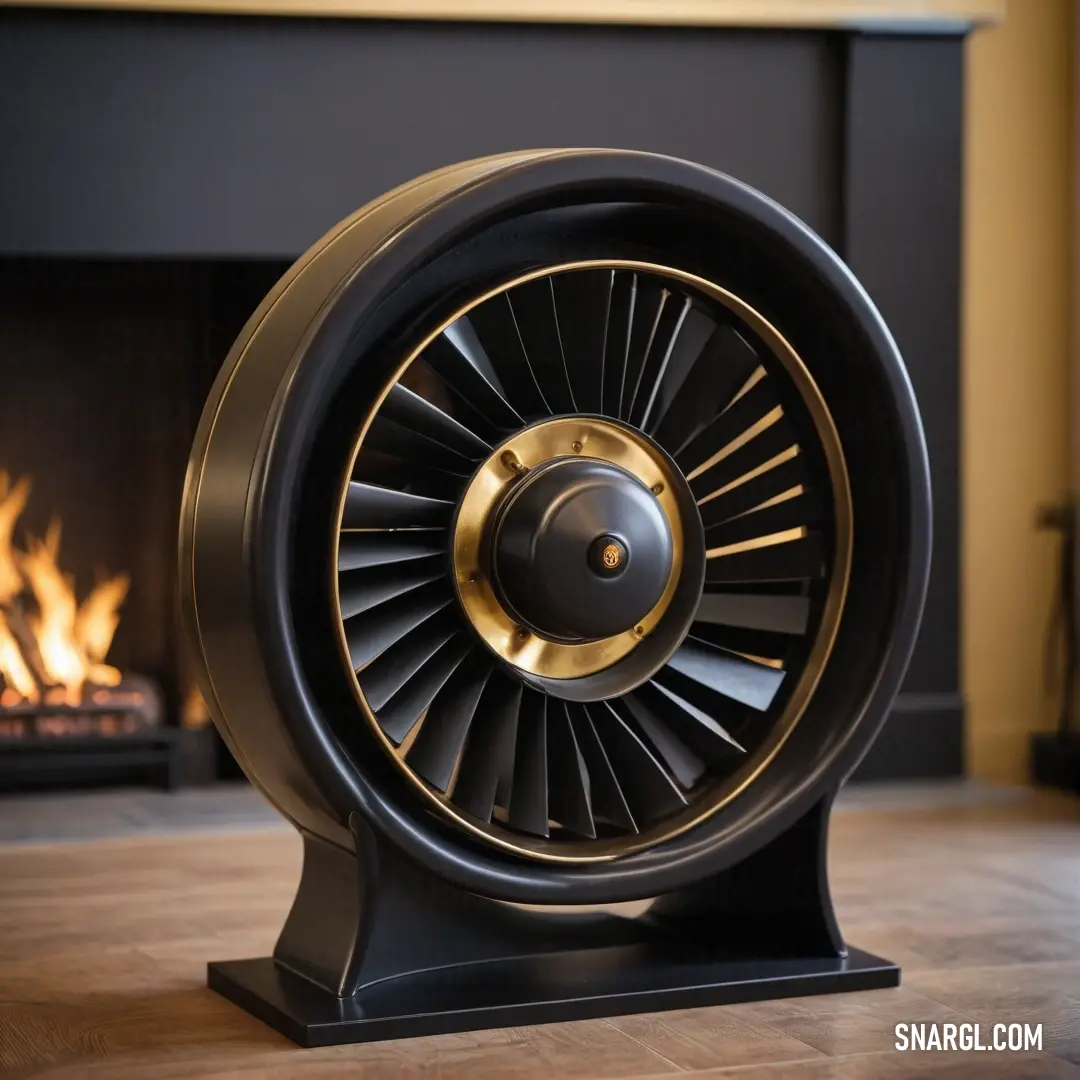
<point>72,641</point>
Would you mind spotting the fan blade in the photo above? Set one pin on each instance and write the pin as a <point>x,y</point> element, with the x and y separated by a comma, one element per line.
<point>649,308</point>
<point>734,427</point>
<point>533,306</point>
<point>358,550</point>
<point>728,716</point>
<point>723,365</point>
<point>458,358</point>
<point>494,324</point>
<point>570,797</point>
<point>379,470</point>
<point>741,680</point>
<point>668,328</point>
<point>624,288</point>
<point>417,413</point>
<point>777,614</point>
<point>608,801</point>
<point>390,671</point>
<point>489,749</point>
<point>438,745</point>
<point>361,590</point>
<point>800,510</point>
<point>369,636</point>
<point>680,760</point>
<point>700,731</point>
<point>798,559</point>
<point>745,463</point>
<point>392,438</point>
<point>649,790</point>
<point>583,301</point>
<point>751,643</point>
<point>759,484</point>
<point>692,333</point>
<point>371,507</point>
<point>529,794</point>
<point>400,714</point>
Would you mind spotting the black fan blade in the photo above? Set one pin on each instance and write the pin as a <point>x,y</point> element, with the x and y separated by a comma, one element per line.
<point>608,802</point>
<point>458,358</point>
<point>456,399</point>
<point>361,590</point>
<point>413,411</point>
<point>802,510</point>
<point>400,714</point>
<point>439,743</point>
<point>741,680</point>
<point>668,329</point>
<point>488,757</point>
<point>390,671</point>
<point>744,464</point>
<point>358,550</point>
<point>533,307</point>
<point>695,328</point>
<point>495,326</point>
<point>680,760</point>
<point>725,717</point>
<point>652,300</point>
<point>370,634</point>
<point>737,639</point>
<point>734,427</point>
<point>382,471</point>
<point>777,614</point>
<point>529,793</point>
<point>569,794</point>
<point>371,507</point>
<point>583,301</point>
<point>700,731</point>
<point>389,437</point>
<point>798,559</point>
<point>624,289</point>
<point>723,365</point>
<point>649,790</point>
<point>756,485</point>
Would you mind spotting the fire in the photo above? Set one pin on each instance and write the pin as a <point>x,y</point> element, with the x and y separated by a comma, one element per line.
<point>57,649</point>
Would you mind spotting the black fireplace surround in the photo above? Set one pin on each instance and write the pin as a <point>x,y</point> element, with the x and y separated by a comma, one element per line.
<point>158,172</point>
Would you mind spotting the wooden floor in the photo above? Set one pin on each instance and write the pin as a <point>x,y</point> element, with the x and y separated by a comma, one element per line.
<point>103,948</point>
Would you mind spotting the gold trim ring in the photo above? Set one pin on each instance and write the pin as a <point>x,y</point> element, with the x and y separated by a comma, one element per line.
<point>507,465</point>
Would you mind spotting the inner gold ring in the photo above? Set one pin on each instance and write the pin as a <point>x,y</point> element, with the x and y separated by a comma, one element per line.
<point>507,465</point>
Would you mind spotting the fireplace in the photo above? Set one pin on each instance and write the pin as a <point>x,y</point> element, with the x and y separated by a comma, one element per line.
<point>167,167</point>
<point>105,367</point>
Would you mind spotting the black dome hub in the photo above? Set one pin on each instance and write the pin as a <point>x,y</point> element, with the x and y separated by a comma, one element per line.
<point>581,550</point>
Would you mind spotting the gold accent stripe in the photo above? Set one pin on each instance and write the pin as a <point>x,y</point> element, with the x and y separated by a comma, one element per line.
<point>764,467</point>
<point>771,540</point>
<point>754,429</point>
<point>755,377</point>
<point>778,665</point>
<point>783,497</point>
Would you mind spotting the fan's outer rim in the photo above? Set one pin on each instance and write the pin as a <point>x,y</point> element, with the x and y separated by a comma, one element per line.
<point>255,688</point>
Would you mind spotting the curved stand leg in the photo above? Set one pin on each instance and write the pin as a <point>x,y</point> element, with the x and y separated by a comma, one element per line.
<point>376,948</point>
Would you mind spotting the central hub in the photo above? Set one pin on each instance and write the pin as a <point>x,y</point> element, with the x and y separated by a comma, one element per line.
<point>581,550</point>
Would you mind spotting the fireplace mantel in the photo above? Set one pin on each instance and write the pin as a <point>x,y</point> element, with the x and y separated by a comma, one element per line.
<point>904,16</point>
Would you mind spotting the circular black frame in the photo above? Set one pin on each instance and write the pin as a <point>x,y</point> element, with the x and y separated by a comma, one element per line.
<point>335,321</point>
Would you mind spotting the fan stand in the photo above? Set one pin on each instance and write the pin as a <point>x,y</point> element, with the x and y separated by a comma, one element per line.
<point>376,948</point>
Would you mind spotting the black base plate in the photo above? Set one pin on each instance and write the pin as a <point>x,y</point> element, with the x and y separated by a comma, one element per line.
<point>535,990</point>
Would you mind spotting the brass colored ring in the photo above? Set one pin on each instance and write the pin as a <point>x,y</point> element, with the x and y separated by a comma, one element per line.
<point>564,436</point>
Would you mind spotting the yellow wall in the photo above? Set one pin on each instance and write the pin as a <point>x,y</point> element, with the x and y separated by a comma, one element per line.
<point>1015,367</point>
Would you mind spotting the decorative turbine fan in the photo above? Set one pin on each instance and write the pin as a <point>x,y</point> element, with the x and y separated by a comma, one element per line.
<point>530,515</point>
<point>556,534</point>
